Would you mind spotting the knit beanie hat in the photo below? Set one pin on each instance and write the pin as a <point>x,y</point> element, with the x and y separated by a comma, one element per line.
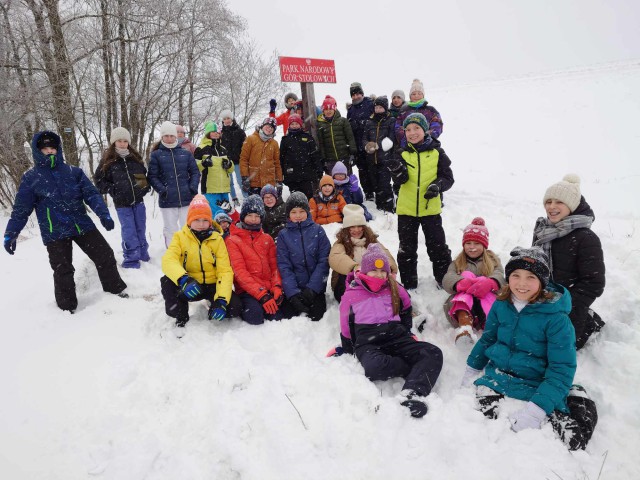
<point>223,217</point>
<point>354,88</point>
<point>199,208</point>
<point>340,167</point>
<point>476,232</point>
<point>295,118</point>
<point>168,128</point>
<point>119,133</point>
<point>252,204</point>
<point>290,95</point>
<point>398,93</point>
<point>296,200</point>
<point>48,139</point>
<point>531,259</point>
<point>329,103</point>
<point>226,114</point>
<point>416,86</point>
<point>567,191</point>
<point>209,127</point>
<point>382,101</point>
<point>269,121</point>
<point>374,257</point>
<point>353,216</point>
<point>416,118</point>
<point>269,189</point>
<point>327,180</point>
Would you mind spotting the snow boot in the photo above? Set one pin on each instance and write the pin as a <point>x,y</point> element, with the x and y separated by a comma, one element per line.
<point>414,402</point>
<point>464,333</point>
<point>179,329</point>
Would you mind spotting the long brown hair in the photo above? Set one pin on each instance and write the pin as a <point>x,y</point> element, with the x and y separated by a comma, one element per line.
<point>110,156</point>
<point>345,239</point>
<point>489,262</point>
<point>395,296</point>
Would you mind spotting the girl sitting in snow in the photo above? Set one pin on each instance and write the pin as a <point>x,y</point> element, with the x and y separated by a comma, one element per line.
<point>327,204</point>
<point>375,323</point>
<point>473,279</point>
<point>196,267</point>
<point>352,241</point>
<point>575,252</point>
<point>528,352</point>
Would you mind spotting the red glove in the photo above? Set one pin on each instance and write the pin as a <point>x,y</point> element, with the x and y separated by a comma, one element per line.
<point>277,294</point>
<point>482,287</point>
<point>269,304</point>
<point>464,284</point>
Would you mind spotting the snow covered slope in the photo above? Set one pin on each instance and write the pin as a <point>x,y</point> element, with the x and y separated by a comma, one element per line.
<point>110,393</point>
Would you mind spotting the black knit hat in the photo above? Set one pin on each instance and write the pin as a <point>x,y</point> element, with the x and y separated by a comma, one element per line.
<point>48,139</point>
<point>355,87</point>
<point>252,204</point>
<point>383,101</point>
<point>296,200</point>
<point>532,259</point>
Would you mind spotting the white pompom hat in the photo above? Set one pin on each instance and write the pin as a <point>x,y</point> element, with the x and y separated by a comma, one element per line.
<point>567,191</point>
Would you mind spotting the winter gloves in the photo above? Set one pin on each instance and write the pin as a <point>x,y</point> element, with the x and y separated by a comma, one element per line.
<point>335,352</point>
<point>432,191</point>
<point>463,285</point>
<point>308,296</point>
<point>279,187</point>
<point>470,374</point>
<point>531,416</point>
<point>482,286</point>
<point>226,164</point>
<point>269,305</point>
<point>298,303</point>
<point>277,295</point>
<point>189,287</point>
<point>218,309</point>
<point>206,161</point>
<point>10,243</point>
<point>107,222</point>
<point>246,184</point>
<point>272,105</point>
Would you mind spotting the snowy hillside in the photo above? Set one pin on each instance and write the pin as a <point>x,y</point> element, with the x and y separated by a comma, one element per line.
<point>110,393</point>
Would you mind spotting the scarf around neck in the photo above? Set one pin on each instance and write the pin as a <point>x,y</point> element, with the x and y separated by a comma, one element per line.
<point>545,232</point>
<point>122,152</point>
<point>170,145</point>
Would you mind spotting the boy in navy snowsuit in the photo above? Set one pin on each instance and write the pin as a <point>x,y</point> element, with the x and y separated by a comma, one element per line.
<point>58,192</point>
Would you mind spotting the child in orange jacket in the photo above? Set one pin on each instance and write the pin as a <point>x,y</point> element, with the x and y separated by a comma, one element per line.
<point>327,204</point>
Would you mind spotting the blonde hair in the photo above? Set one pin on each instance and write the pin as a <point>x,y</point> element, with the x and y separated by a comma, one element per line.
<point>489,262</point>
<point>395,296</point>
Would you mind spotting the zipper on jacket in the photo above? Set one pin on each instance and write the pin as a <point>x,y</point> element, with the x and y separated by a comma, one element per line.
<point>304,251</point>
<point>375,154</point>
<point>175,170</point>
<point>78,228</point>
<point>333,142</point>
<point>49,219</point>
<point>133,192</point>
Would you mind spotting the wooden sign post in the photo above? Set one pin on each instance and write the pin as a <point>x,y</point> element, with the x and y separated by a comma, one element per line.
<point>308,71</point>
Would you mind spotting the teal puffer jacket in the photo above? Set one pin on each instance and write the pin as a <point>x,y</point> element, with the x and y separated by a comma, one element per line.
<point>531,354</point>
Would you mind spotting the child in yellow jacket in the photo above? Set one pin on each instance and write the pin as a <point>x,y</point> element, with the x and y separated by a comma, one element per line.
<point>196,267</point>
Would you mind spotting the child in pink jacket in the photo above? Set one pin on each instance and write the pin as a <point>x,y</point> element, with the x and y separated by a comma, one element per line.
<point>375,323</point>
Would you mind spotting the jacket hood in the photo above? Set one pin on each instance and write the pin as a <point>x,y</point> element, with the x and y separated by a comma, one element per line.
<point>42,160</point>
<point>584,209</point>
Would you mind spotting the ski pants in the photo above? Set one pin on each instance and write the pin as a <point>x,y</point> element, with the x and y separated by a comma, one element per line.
<point>94,245</point>
<point>173,219</point>
<point>133,226</point>
<point>250,310</point>
<point>176,305</point>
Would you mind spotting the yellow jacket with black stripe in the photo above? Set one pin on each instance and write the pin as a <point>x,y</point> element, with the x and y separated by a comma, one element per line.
<point>206,262</point>
<point>415,167</point>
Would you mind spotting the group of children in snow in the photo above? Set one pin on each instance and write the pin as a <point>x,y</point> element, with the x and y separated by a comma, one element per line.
<point>532,326</point>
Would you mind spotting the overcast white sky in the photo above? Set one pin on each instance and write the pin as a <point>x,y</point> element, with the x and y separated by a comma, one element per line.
<point>384,44</point>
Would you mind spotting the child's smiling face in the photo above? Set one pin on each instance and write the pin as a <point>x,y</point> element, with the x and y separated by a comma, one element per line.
<point>556,210</point>
<point>269,200</point>
<point>473,249</point>
<point>327,190</point>
<point>298,215</point>
<point>414,133</point>
<point>524,284</point>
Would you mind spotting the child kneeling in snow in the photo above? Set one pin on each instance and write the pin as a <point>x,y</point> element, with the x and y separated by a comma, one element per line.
<point>472,280</point>
<point>375,322</point>
<point>196,266</point>
<point>528,352</point>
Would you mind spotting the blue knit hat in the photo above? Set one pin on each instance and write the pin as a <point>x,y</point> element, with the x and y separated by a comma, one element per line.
<point>252,204</point>
<point>416,118</point>
<point>269,189</point>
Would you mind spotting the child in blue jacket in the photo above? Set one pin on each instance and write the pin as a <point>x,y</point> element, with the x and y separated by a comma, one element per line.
<point>58,193</point>
<point>303,259</point>
<point>527,352</point>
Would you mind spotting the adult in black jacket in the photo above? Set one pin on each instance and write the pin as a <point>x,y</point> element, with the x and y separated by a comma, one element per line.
<point>122,174</point>
<point>232,139</point>
<point>299,158</point>
<point>358,112</point>
<point>577,260</point>
<point>379,126</point>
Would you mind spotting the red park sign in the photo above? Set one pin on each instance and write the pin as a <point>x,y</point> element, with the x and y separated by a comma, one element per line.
<point>311,70</point>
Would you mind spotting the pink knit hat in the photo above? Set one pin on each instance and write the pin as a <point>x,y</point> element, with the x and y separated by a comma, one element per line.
<point>374,257</point>
<point>476,232</point>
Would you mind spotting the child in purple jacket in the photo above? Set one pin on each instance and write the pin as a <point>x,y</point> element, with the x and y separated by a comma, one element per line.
<point>375,323</point>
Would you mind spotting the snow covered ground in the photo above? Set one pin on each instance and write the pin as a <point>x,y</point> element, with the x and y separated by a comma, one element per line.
<point>110,393</point>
